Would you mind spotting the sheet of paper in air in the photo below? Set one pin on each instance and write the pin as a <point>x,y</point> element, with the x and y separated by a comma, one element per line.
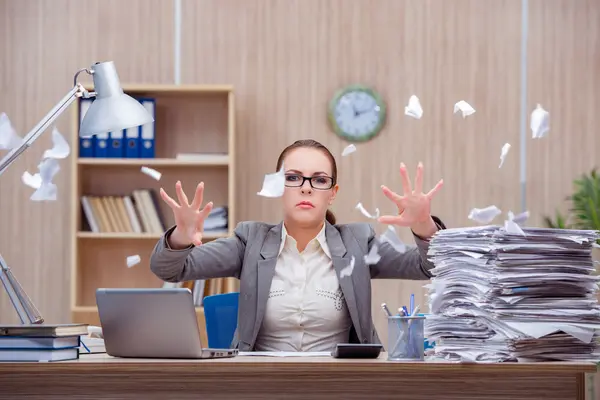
<point>273,184</point>
<point>465,108</point>
<point>347,270</point>
<point>519,218</point>
<point>373,257</point>
<point>33,181</point>
<point>285,353</point>
<point>511,226</point>
<point>349,150</point>
<point>47,190</point>
<point>133,260</point>
<point>390,236</point>
<point>540,122</point>
<point>503,153</point>
<point>414,109</point>
<point>8,135</point>
<point>60,148</point>
<point>152,173</point>
<point>484,215</point>
<point>367,214</point>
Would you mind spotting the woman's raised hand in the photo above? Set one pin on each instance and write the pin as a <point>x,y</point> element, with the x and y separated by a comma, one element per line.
<point>413,205</point>
<point>189,217</point>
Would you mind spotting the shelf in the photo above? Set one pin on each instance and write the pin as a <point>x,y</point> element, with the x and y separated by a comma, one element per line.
<point>128,235</point>
<point>209,161</point>
<point>171,89</point>
<point>194,142</point>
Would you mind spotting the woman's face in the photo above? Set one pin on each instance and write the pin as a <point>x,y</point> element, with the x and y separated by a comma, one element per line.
<point>307,205</point>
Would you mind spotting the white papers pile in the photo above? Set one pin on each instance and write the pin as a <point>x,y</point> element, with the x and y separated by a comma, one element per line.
<point>497,296</point>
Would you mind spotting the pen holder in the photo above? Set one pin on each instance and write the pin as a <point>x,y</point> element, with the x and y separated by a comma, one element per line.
<point>406,340</point>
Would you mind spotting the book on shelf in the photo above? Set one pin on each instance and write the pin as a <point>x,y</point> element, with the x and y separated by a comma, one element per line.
<point>134,142</point>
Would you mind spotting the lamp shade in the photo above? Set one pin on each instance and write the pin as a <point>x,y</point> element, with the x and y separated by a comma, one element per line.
<point>112,110</point>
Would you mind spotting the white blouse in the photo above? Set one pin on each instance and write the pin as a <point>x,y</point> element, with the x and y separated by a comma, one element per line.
<point>306,310</point>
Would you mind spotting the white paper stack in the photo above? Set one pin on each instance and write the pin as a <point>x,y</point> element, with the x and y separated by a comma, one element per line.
<point>499,296</point>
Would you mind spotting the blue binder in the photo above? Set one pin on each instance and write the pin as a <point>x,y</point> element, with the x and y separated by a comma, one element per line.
<point>86,145</point>
<point>132,142</point>
<point>115,149</point>
<point>147,132</point>
<point>102,142</point>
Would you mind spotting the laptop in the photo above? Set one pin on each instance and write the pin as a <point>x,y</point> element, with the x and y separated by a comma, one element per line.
<point>152,323</point>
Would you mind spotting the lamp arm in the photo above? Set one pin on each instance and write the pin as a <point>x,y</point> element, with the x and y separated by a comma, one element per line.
<point>26,310</point>
<point>37,131</point>
<point>22,303</point>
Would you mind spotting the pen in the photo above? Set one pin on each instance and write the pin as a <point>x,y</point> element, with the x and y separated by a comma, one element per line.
<point>412,303</point>
<point>405,311</point>
<point>386,309</point>
<point>83,344</point>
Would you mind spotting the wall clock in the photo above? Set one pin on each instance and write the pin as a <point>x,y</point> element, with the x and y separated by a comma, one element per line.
<point>357,113</point>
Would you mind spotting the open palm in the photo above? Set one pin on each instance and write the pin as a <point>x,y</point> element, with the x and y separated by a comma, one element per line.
<point>189,218</point>
<point>414,206</point>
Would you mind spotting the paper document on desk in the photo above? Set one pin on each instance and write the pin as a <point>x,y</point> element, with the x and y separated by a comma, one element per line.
<point>498,295</point>
<point>286,353</point>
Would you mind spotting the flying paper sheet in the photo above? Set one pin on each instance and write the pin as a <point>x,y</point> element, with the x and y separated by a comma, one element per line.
<point>133,260</point>
<point>152,173</point>
<point>33,181</point>
<point>347,270</point>
<point>273,184</point>
<point>373,257</point>
<point>390,236</point>
<point>348,150</point>
<point>503,153</point>
<point>540,122</point>
<point>484,215</point>
<point>364,212</point>
<point>414,109</point>
<point>519,218</point>
<point>47,190</point>
<point>464,107</point>
<point>60,147</point>
<point>8,135</point>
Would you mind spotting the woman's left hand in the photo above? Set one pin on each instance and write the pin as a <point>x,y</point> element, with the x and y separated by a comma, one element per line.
<point>414,206</point>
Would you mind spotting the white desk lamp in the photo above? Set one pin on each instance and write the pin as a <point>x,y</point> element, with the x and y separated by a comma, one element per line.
<point>112,110</point>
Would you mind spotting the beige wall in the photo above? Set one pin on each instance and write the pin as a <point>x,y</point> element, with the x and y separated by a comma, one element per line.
<point>285,59</point>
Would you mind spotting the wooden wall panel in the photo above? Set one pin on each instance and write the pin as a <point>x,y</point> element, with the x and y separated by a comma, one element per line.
<point>286,58</point>
<point>42,45</point>
<point>563,65</point>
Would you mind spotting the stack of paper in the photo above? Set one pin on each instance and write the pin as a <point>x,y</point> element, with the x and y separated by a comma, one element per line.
<point>501,296</point>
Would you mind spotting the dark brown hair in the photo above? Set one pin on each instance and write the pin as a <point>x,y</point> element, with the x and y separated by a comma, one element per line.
<point>312,144</point>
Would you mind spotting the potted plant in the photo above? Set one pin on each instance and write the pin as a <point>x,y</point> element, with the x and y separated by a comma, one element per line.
<point>584,211</point>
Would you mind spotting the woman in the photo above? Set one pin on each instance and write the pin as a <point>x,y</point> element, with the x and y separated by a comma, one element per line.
<point>293,294</point>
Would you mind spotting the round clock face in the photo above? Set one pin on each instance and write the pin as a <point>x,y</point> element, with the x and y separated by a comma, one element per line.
<point>357,113</point>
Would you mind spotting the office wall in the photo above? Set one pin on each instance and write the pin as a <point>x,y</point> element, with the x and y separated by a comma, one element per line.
<point>286,58</point>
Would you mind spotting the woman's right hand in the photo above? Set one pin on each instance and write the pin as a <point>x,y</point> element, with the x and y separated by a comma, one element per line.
<point>189,218</point>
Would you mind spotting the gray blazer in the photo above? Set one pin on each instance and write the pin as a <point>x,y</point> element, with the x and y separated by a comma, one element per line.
<point>250,255</point>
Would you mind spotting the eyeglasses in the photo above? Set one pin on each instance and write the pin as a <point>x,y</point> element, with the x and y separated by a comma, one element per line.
<point>319,182</point>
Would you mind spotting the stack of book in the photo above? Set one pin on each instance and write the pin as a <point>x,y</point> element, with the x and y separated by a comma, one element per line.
<point>135,213</point>
<point>217,220</point>
<point>37,343</point>
<point>501,296</point>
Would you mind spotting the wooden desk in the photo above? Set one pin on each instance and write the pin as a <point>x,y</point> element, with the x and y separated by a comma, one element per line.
<point>99,376</point>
